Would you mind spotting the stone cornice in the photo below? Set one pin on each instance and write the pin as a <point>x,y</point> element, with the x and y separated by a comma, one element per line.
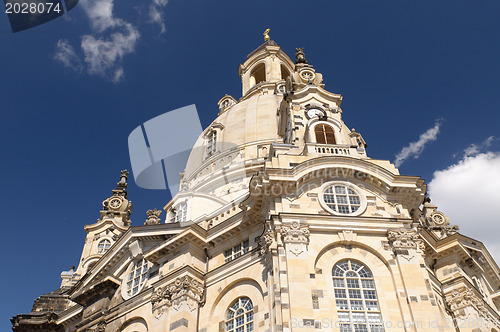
<point>89,293</point>
<point>458,244</point>
<point>308,90</point>
<point>159,232</point>
<point>274,182</point>
<point>102,222</point>
<point>35,321</point>
<point>192,234</point>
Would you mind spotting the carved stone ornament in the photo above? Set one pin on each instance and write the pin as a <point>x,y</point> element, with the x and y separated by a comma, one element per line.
<point>265,242</point>
<point>296,237</point>
<point>347,236</point>
<point>100,327</point>
<point>405,242</point>
<point>153,217</point>
<point>460,300</point>
<point>184,289</point>
<point>450,229</point>
<point>436,221</point>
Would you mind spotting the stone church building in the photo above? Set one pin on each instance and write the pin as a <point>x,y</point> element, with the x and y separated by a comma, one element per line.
<point>282,223</point>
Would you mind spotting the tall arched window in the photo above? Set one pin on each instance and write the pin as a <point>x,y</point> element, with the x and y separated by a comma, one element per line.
<point>239,316</point>
<point>356,298</point>
<point>211,142</point>
<point>324,134</point>
<point>103,246</point>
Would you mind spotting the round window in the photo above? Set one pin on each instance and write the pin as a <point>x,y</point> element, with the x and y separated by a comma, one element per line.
<point>136,276</point>
<point>342,198</point>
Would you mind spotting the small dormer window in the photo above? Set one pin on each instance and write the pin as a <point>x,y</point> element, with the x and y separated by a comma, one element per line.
<point>103,246</point>
<point>324,134</point>
<point>179,213</point>
<point>226,103</point>
<point>211,143</point>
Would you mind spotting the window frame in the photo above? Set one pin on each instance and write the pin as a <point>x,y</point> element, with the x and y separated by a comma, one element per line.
<point>365,316</point>
<point>104,250</point>
<point>211,143</point>
<point>234,313</point>
<point>236,251</point>
<point>349,185</point>
<point>176,211</point>
<point>324,124</point>
<point>129,277</point>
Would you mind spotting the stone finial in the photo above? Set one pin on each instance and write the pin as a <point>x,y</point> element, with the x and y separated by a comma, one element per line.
<point>123,180</point>
<point>121,186</point>
<point>153,217</point>
<point>300,57</point>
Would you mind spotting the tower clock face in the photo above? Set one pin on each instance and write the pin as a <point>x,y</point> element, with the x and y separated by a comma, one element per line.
<point>312,112</point>
<point>115,203</point>
<point>438,218</point>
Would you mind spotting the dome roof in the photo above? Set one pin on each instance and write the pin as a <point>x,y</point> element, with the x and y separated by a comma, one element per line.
<point>245,126</point>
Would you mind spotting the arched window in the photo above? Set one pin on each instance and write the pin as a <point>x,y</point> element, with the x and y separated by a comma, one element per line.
<point>179,213</point>
<point>284,72</point>
<point>103,246</point>
<point>258,75</point>
<point>137,324</point>
<point>211,142</point>
<point>324,134</point>
<point>239,316</point>
<point>356,298</point>
<point>91,265</point>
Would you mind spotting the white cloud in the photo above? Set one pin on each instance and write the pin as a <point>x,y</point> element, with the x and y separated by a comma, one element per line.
<point>102,51</point>
<point>414,149</point>
<point>104,54</point>
<point>117,77</point>
<point>100,14</point>
<point>469,193</point>
<point>156,13</point>
<point>475,149</point>
<point>65,53</point>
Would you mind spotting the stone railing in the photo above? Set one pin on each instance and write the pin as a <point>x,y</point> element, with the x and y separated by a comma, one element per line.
<point>334,150</point>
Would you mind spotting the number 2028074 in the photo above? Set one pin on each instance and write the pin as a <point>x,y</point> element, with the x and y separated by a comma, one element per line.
<point>32,8</point>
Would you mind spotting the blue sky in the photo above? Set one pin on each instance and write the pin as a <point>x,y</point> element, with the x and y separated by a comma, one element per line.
<point>403,67</point>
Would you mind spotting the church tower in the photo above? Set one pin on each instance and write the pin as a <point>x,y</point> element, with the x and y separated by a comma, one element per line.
<point>114,221</point>
<point>283,222</point>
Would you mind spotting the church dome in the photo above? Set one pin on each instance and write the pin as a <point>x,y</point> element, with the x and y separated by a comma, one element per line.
<point>252,123</point>
<point>248,125</point>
